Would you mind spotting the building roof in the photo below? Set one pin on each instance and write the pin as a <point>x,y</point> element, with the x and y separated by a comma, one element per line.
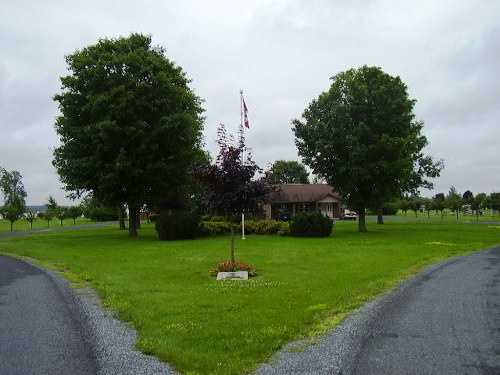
<point>301,193</point>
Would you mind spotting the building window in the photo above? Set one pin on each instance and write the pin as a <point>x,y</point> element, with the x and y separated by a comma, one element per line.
<point>303,207</point>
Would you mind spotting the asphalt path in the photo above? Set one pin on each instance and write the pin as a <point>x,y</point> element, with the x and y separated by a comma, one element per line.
<point>39,332</point>
<point>446,320</point>
<point>47,327</point>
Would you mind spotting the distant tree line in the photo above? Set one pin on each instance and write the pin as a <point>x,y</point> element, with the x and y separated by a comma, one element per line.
<point>454,201</point>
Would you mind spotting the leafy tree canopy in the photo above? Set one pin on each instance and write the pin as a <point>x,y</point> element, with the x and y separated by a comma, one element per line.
<point>229,186</point>
<point>130,126</point>
<point>362,137</point>
<point>494,201</point>
<point>14,195</point>
<point>287,172</point>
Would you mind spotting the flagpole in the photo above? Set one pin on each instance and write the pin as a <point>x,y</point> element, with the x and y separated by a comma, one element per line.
<point>242,159</point>
<point>242,128</point>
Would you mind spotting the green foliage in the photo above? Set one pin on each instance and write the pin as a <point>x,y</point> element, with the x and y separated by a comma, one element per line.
<point>454,201</point>
<point>268,227</point>
<point>130,126</point>
<point>362,138</point>
<point>390,208</point>
<point>494,201</point>
<point>310,224</point>
<point>30,217</point>
<point>214,228</point>
<point>287,172</point>
<point>12,188</point>
<point>101,213</point>
<point>178,225</point>
<point>74,212</point>
<point>14,195</point>
<point>12,212</point>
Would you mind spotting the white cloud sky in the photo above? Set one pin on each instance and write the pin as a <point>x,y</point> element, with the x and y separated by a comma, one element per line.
<point>282,54</point>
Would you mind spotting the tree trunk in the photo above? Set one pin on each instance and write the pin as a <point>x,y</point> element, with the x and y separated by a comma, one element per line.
<point>121,217</point>
<point>132,221</point>
<point>362,220</point>
<point>232,242</point>
<point>380,217</point>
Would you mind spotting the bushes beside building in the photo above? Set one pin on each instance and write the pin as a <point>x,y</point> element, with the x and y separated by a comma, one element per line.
<point>310,224</point>
<point>176,225</point>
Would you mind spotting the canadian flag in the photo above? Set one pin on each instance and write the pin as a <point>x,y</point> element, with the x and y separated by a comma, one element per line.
<point>245,113</point>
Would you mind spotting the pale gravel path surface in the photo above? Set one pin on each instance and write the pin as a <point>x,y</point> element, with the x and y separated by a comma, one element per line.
<point>446,320</point>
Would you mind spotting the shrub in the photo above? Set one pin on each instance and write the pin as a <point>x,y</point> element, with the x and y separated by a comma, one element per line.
<point>310,224</point>
<point>214,228</point>
<point>266,227</point>
<point>153,217</point>
<point>101,213</point>
<point>178,225</point>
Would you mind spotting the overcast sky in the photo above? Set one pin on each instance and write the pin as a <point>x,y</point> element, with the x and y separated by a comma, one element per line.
<point>282,53</point>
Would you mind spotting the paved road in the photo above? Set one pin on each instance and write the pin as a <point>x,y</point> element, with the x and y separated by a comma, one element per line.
<point>46,327</point>
<point>39,333</point>
<point>444,321</point>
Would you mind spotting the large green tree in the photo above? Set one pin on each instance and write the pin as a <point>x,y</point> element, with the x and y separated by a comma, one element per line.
<point>14,195</point>
<point>287,172</point>
<point>362,138</point>
<point>130,125</point>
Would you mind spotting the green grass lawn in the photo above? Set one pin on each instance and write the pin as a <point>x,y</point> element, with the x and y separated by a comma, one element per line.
<point>204,326</point>
<point>23,224</point>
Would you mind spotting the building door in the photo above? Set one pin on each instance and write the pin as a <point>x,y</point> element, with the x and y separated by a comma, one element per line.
<point>326,209</point>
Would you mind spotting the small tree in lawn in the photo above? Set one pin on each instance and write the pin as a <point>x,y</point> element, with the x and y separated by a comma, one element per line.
<point>229,187</point>
<point>478,204</point>
<point>12,213</point>
<point>61,214</point>
<point>31,217</point>
<point>454,200</point>
<point>404,205</point>
<point>438,203</point>
<point>74,212</point>
<point>47,215</point>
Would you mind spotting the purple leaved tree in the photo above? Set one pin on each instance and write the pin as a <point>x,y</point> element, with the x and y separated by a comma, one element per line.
<point>229,185</point>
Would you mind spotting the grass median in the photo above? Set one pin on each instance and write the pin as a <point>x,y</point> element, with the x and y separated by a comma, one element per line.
<point>204,326</point>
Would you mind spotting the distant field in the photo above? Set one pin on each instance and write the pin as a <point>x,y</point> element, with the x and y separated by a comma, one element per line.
<point>303,287</point>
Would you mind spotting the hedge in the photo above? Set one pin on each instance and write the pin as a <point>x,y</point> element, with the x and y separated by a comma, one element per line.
<point>310,224</point>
